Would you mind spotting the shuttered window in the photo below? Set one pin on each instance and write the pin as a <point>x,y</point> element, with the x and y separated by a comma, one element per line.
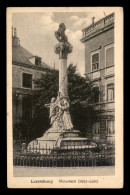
<point>95,61</point>
<point>110,56</point>
<point>110,127</point>
<point>27,80</point>
<point>96,94</point>
<point>96,128</point>
<point>110,92</point>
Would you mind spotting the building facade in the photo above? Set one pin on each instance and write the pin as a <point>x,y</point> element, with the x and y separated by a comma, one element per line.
<point>25,68</point>
<point>99,69</point>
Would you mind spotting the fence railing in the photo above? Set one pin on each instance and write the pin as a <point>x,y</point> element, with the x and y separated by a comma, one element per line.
<point>102,155</point>
<point>98,25</point>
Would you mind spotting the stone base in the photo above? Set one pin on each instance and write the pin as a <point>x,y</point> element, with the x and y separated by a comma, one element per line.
<point>48,140</point>
<point>56,138</point>
<point>52,138</point>
<point>73,133</point>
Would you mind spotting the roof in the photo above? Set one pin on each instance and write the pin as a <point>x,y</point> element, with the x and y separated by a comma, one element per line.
<point>21,55</point>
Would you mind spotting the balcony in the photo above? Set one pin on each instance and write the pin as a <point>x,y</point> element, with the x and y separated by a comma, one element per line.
<point>23,91</point>
<point>97,27</point>
<point>109,71</point>
<point>96,137</point>
<point>110,105</point>
<point>104,106</point>
<point>96,75</point>
<point>111,138</point>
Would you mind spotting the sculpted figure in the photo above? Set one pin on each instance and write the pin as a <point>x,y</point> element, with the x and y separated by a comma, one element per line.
<point>60,33</point>
<point>59,113</point>
<point>65,114</point>
<point>53,111</point>
<point>55,118</point>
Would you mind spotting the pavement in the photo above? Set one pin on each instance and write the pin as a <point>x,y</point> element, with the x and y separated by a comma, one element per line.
<point>20,171</point>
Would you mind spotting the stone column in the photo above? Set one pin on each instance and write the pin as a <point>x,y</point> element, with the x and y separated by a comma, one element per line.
<point>63,49</point>
<point>63,80</point>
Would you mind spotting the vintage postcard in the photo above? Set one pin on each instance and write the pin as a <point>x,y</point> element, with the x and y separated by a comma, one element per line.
<point>65,97</point>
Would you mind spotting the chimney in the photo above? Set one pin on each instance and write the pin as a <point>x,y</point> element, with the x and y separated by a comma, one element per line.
<point>12,31</point>
<point>15,39</point>
<point>93,18</point>
<point>15,32</point>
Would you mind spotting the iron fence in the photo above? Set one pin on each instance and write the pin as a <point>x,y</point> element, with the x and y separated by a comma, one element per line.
<point>102,155</point>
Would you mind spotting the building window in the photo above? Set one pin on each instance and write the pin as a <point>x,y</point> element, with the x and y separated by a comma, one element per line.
<point>26,107</point>
<point>110,92</point>
<point>37,61</point>
<point>110,56</point>
<point>96,128</point>
<point>110,127</point>
<point>27,80</point>
<point>96,94</point>
<point>95,61</point>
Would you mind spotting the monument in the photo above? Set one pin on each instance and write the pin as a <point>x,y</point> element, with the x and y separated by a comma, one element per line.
<point>62,133</point>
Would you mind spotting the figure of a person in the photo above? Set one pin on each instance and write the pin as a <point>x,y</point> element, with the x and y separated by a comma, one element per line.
<point>65,114</point>
<point>59,114</point>
<point>53,111</point>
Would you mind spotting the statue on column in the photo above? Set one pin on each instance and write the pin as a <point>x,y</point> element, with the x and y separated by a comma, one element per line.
<point>60,33</point>
<point>63,47</point>
<point>59,108</point>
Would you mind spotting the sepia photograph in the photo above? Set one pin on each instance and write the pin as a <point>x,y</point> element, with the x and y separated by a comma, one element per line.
<point>64,90</point>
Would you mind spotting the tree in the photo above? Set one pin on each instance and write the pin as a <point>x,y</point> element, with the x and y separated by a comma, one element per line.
<point>81,95</point>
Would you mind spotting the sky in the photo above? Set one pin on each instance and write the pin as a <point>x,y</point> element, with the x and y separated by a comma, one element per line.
<point>36,33</point>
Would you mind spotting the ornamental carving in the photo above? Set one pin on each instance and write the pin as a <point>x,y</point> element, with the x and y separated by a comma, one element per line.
<point>63,48</point>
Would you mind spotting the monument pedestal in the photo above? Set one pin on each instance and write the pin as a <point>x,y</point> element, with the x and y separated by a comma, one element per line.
<point>52,138</point>
<point>59,139</point>
<point>73,133</point>
<point>48,140</point>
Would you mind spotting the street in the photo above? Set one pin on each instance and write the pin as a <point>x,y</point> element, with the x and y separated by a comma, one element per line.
<point>63,171</point>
